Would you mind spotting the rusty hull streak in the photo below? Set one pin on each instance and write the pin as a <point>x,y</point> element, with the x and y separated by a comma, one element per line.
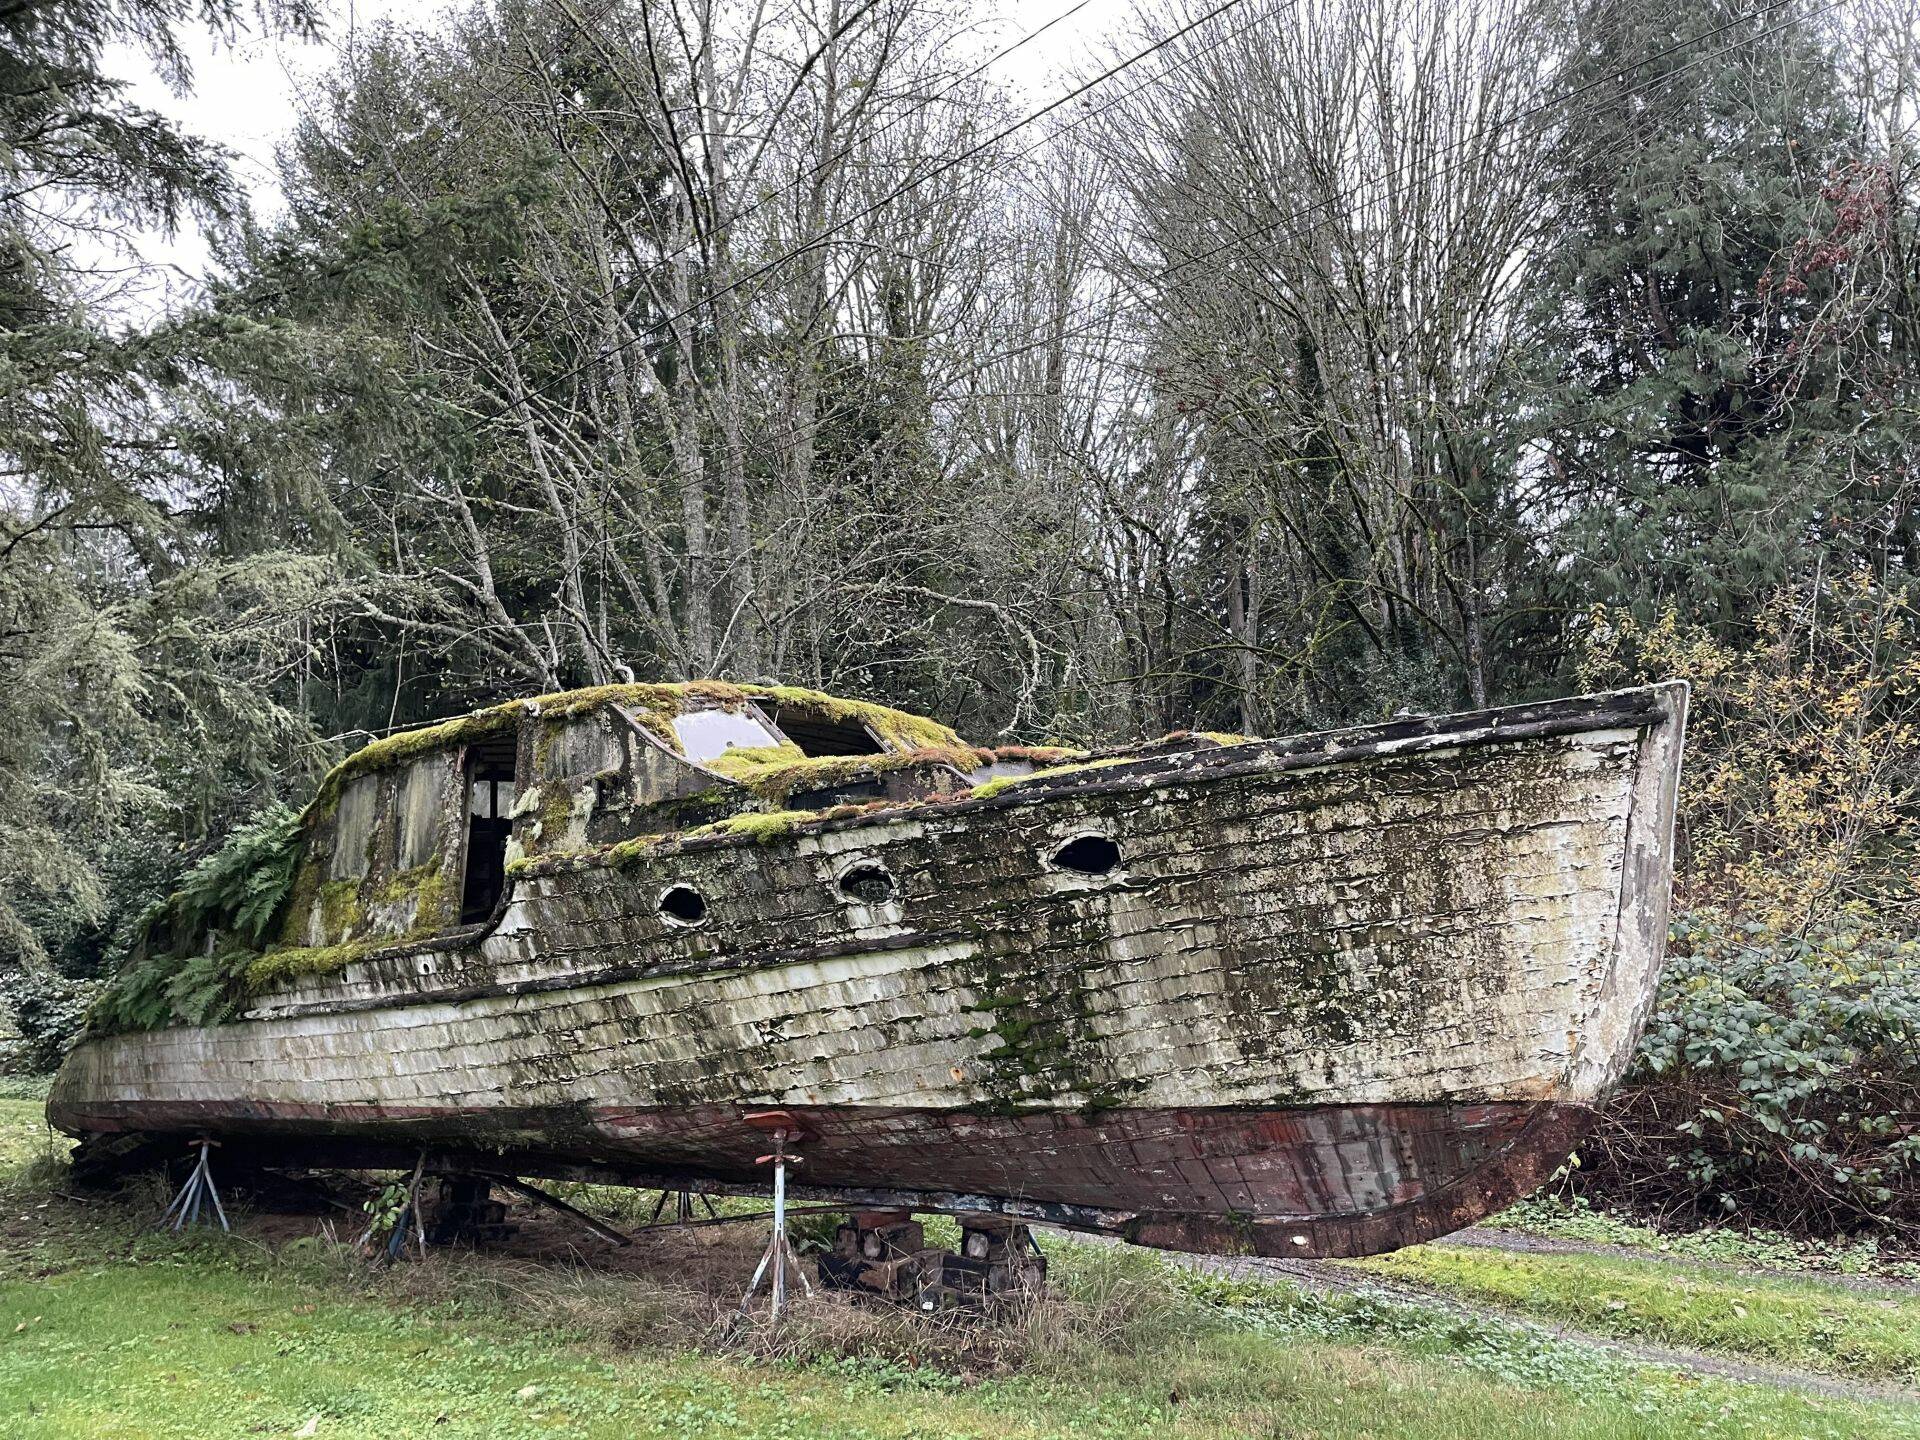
<point>1347,992</point>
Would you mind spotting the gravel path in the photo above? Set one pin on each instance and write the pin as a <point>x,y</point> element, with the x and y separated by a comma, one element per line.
<point>1326,1277</point>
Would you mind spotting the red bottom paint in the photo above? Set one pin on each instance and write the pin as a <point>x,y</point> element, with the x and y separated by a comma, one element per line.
<point>1318,1180</point>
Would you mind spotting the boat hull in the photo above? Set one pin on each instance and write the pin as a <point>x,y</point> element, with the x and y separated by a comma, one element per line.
<point>1308,1181</point>
<point>1344,993</point>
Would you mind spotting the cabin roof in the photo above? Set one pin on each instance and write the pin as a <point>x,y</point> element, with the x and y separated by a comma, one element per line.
<point>652,705</point>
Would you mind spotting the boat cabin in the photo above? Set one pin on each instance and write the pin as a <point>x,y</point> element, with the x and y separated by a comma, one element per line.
<point>416,835</point>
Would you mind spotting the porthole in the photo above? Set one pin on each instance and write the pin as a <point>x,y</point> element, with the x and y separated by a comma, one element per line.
<point>867,883</point>
<point>683,905</point>
<point>1088,855</point>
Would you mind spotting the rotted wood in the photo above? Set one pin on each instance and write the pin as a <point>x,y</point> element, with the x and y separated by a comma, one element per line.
<point>1339,993</point>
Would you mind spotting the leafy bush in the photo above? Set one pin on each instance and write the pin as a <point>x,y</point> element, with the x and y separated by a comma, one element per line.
<point>49,1011</point>
<point>1779,1078</point>
<point>1803,747</point>
<point>191,950</point>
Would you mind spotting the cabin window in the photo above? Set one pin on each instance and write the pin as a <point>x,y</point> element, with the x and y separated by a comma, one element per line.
<point>867,883</point>
<point>683,905</point>
<point>708,734</point>
<point>353,822</point>
<point>490,792</point>
<point>581,746</point>
<point>419,812</point>
<point>817,736</point>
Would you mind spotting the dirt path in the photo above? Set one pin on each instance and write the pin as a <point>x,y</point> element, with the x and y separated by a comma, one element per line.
<point>1325,1277</point>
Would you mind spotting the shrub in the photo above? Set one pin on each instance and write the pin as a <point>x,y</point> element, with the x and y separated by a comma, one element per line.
<point>1803,747</point>
<point>1778,1079</point>
<point>49,1011</point>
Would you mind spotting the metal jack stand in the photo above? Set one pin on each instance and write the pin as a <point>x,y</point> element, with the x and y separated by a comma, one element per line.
<point>780,1254</point>
<point>683,1207</point>
<point>185,1209</point>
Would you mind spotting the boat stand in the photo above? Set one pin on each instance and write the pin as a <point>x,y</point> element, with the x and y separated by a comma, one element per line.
<point>779,1255</point>
<point>682,1206</point>
<point>885,1253</point>
<point>199,1190</point>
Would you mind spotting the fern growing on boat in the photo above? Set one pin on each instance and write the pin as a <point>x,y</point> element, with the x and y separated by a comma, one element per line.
<point>237,889</point>
<point>189,953</point>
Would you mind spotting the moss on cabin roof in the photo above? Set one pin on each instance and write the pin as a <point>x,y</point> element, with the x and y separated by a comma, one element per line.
<point>654,706</point>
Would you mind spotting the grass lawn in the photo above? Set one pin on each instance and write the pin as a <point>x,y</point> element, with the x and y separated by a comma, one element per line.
<point>1800,1323</point>
<point>1741,1246</point>
<point>107,1328</point>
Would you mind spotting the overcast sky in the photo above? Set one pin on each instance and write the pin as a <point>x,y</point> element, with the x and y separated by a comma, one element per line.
<point>247,97</point>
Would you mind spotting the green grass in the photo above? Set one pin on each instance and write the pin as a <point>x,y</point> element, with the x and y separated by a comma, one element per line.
<point>1576,1219</point>
<point>25,1140</point>
<point>188,1344</point>
<point>1799,1323</point>
<point>108,1328</point>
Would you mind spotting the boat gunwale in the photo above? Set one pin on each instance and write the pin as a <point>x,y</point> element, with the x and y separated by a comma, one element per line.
<point>1639,708</point>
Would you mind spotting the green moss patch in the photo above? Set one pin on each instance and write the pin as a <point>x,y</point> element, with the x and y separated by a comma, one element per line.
<point>762,827</point>
<point>776,782</point>
<point>1803,1323</point>
<point>1007,782</point>
<point>202,954</point>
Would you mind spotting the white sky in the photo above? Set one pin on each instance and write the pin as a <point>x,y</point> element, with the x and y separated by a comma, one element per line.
<point>247,97</point>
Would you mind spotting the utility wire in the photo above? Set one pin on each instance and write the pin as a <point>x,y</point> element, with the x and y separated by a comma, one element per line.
<point>1353,192</point>
<point>811,242</point>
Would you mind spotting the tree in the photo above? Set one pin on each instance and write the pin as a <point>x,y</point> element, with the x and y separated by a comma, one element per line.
<point>139,615</point>
<point>1686,385</point>
<point>1330,221</point>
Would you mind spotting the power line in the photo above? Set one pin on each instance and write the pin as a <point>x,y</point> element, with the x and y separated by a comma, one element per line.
<point>796,251</point>
<point>1353,192</point>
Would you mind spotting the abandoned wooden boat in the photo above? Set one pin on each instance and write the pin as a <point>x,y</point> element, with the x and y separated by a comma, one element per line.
<point>1316,996</point>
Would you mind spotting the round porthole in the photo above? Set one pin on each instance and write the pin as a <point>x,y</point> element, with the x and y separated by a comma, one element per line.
<point>683,905</point>
<point>867,883</point>
<point>1088,855</point>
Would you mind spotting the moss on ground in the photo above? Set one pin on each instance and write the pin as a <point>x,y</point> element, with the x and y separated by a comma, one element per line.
<point>1796,1322</point>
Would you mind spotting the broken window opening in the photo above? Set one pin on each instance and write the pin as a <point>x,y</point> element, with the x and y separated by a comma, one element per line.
<point>1088,855</point>
<point>708,734</point>
<point>490,793</point>
<point>818,737</point>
